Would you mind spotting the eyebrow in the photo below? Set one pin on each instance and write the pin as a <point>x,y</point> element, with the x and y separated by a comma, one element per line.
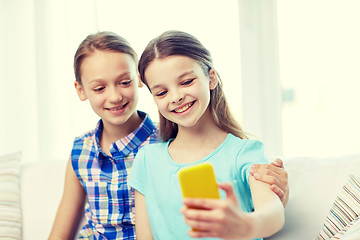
<point>121,76</point>
<point>125,74</point>
<point>179,77</point>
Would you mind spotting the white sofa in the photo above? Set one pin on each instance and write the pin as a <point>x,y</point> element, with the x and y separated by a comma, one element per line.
<point>314,184</point>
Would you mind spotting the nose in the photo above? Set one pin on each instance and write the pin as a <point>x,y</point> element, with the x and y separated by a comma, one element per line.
<point>177,97</point>
<point>114,95</point>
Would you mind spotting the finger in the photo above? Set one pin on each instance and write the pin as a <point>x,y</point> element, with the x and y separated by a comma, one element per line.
<point>278,163</point>
<point>197,225</point>
<point>199,214</point>
<point>201,234</point>
<point>269,167</point>
<point>260,172</point>
<point>229,190</point>
<point>268,178</point>
<point>202,203</point>
<point>278,192</point>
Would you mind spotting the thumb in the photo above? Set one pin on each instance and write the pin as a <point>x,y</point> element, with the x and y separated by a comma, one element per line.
<point>230,194</point>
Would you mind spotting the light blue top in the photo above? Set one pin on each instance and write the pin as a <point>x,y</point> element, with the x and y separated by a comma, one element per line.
<point>154,174</point>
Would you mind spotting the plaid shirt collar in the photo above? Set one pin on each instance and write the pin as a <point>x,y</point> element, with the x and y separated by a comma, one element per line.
<point>127,144</point>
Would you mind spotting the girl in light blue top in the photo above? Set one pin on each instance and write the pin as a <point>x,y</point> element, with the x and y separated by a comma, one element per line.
<point>196,126</point>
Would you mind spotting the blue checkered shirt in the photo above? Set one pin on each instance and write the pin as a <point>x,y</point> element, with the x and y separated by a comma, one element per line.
<point>109,210</point>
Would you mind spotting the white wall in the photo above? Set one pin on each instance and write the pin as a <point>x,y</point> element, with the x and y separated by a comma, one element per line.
<point>300,41</point>
<point>41,113</point>
<point>18,92</point>
<point>320,62</point>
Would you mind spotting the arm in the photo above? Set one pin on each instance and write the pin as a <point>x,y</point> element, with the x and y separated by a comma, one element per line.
<point>142,224</point>
<point>71,207</point>
<point>275,175</point>
<point>268,215</point>
<point>225,219</point>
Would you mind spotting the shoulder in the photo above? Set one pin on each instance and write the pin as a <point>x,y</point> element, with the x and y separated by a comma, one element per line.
<point>84,137</point>
<point>148,128</point>
<point>246,150</point>
<point>152,153</point>
<point>244,144</point>
<point>82,144</point>
<point>154,147</point>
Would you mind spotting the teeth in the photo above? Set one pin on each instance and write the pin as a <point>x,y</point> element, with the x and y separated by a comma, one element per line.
<point>115,108</point>
<point>184,108</point>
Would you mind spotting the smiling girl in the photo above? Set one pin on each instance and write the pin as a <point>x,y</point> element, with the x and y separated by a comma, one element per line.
<point>196,126</point>
<point>106,74</point>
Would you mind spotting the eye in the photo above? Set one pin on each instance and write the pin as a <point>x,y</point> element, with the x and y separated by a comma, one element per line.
<point>160,94</point>
<point>98,89</point>
<point>188,82</point>
<point>125,82</point>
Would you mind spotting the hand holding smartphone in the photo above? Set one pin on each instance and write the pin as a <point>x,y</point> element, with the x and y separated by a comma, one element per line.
<point>199,181</point>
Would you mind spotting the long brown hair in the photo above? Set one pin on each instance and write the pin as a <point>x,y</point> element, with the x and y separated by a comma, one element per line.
<point>102,41</point>
<point>180,43</point>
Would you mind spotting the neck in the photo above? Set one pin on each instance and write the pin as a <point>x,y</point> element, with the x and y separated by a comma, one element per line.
<point>204,133</point>
<point>112,133</point>
<point>194,143</point>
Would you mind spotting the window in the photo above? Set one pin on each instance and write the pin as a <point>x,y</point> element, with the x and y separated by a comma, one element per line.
<point>319,56</point>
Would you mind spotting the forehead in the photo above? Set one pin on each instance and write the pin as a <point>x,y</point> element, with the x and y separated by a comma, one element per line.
<point>102,64</point>
<point>101,59</point>
<point>172,66</point>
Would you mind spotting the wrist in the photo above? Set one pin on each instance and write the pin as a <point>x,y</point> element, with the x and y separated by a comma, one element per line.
<point>247,223</point>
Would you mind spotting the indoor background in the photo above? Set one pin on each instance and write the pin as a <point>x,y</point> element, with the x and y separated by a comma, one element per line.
<point>290,68</point>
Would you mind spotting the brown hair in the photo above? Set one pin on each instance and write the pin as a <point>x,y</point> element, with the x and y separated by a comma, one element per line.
<point>180,43</point>
<point>103,41</point>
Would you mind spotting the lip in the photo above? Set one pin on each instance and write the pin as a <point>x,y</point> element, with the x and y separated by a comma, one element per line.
<point>183,108</point>
<point>117,109</point>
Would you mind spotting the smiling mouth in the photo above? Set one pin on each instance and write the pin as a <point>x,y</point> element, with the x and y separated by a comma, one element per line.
<point>184,108</point>
<point>116,108</point>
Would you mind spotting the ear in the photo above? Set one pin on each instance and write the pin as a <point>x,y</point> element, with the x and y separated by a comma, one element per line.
<point>141,84</point>
<point>80,91</point>
<point>213,79</point>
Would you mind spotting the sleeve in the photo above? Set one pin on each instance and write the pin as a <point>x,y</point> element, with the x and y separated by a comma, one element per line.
<point>252,153</point>
<point>138,172</point>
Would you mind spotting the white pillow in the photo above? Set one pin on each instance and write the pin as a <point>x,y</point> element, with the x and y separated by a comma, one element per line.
<point>10,211</point>
<point>345,210</point>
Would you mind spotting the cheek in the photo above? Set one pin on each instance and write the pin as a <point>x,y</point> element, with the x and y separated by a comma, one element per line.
<point>161,105</point>
<point>96,100</point>
<point>131,93</point>
<point>205,93</point>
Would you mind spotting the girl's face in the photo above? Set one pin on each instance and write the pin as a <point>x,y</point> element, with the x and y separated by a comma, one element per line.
<point>180,88</point>
<point>110,83</point>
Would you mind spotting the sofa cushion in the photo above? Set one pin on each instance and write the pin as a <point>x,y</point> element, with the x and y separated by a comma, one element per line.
<point>344,211</point>
<point>10,211</point>
<point>314,184</point>
<point>42,186</point>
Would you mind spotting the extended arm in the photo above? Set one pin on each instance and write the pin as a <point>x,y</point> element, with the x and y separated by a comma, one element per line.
<point>71,207</point>
<point>225,219</point>
<point>142,224</point>
<point>268,216</point>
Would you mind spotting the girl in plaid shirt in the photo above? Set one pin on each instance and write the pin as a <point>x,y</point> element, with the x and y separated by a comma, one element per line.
<point>96,182</point>
<point>105,68</point>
